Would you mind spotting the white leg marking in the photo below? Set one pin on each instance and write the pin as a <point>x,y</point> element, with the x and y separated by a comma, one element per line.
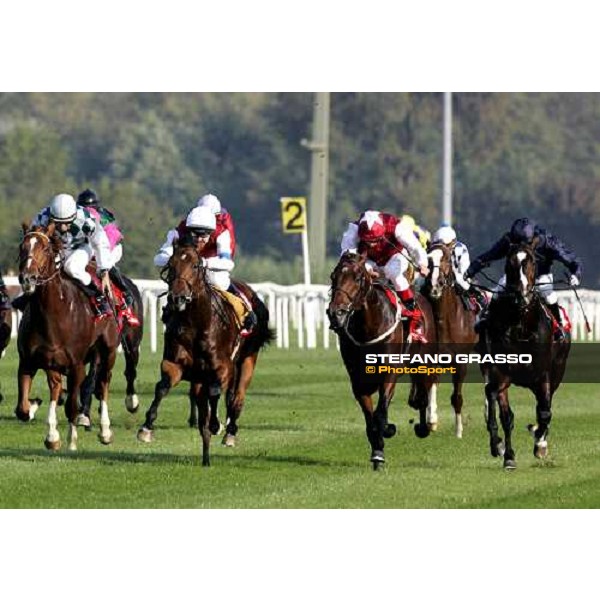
<point>432,414</point>
<point>72,438</point>
<point>53,435</point>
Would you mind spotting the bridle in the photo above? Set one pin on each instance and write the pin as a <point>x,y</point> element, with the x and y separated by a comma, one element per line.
<point>199,275</point>
<point>443,281</point>
<point>47,253</point>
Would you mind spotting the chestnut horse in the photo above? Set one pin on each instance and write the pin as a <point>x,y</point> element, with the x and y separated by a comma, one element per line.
<point>202,346</point>
<point>455,326</point>
<point>59,335</point>
<point>520,322</point>
<point>362,315</point>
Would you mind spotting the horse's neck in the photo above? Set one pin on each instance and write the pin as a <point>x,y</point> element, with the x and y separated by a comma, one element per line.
<point>200,308</point>
<point>376,300</point>
<point>53,298</point>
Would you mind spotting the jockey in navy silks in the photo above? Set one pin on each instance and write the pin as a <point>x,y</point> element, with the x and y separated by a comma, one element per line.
<point>548,248</point>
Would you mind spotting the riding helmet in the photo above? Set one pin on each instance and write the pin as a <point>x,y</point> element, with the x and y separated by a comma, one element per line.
<point>88,198</point>
<point>522,230</point>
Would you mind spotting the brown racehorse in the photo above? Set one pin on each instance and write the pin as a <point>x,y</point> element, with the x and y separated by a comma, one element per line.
<point>519,322</point>
<point>202,346</point>
<point>362,315</point>
<point>131,338</point>
<point>454,324</point>
<point>58,334</point>
<point>5,331</point>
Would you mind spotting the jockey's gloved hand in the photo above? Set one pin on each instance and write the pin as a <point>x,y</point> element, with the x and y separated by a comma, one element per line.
<point>574,281</point>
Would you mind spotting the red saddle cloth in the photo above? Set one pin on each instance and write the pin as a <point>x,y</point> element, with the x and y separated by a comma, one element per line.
<point>123,313</point>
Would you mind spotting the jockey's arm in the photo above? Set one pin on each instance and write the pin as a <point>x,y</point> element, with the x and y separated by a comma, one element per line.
<point>405,236</point>
<point>166,250</point>
<point>462,261</point>
<point>101,248</point>
<point>350,239</point>
<point>496,252</point>
<point>223,260</point>
<point>565,255</point>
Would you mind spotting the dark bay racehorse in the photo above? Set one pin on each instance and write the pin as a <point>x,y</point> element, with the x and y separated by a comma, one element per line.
<point>5,331</point>
<point>260,337</point>
<point>454,324</point>
<point>59,335</point>
<point>363,316</point>
<point>202,346</point>
<point>519,322</point>
<point>131,338</point>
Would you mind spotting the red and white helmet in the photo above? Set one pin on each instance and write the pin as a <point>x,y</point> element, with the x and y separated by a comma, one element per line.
<point>371,227</point>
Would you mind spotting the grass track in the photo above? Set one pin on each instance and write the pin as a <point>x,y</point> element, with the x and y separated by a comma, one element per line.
<point>302,445</point>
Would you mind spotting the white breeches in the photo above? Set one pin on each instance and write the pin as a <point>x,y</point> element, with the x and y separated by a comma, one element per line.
<point>220,279</point>
<point>116,253</point>
<point>394,270</point>
<point>544,285</point>
<point>76,261</point>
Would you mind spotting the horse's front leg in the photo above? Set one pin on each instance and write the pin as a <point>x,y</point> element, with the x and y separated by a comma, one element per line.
<point>543,412</point>
<point>386,393</point>
<point>107,362</point>
<point>26,407</point>
<point>86,392</point>
<point>171,374</point>
<point>201,396</point>
<point>420,393</point>
<point>52,441</point>
<point>432,408</point>
<point>457,398</point>
<point>193,418</point>
<point>74,381</point>
<point>491,399</point>
<point>508,423</point>
<point>373,432</point>
<point>131,350</point>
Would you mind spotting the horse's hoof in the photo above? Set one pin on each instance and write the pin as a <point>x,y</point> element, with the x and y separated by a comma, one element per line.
<point>229,440</point>
<point>510,464</point>
<point>377,459</point>
<point>53,446</point>
<point>215,427</point>
<point>541,450</point>
<point>432,426</point>
<point>205,462</point>
<point>145,435</point>
<point>132,403</point>
<point>72,447</point>
<point>421,431</point>
<point>193,423</point>
<point>389,431</point>
<point>84,421</point>
<point>106,438</point>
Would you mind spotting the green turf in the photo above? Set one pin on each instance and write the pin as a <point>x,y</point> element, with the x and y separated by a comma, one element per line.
<point>302,445</point>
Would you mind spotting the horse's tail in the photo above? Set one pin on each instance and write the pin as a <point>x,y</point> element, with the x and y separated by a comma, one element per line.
<point>264,334</point>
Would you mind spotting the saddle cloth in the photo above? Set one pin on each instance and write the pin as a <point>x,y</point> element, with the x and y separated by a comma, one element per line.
<point>238,305</point>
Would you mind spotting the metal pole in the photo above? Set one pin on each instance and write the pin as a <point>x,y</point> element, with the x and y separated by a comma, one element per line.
<point>447,191</point>
<point>319,178</point>
<point>305,258</point>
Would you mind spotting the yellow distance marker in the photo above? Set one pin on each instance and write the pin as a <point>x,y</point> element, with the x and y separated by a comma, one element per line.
<point>293,215</point>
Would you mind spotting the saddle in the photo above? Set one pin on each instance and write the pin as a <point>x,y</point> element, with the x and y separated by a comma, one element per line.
<point>238,305</point>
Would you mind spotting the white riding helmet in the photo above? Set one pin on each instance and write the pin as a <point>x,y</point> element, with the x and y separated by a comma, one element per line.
<point>444,234</point>
<point>201,217</point>
<point>63,208</point>
<point>210,201</point>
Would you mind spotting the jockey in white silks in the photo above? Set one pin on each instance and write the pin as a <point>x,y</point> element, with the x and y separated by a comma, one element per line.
<point>217,248</point>
<point>82,239</point>
<point>384,239</point>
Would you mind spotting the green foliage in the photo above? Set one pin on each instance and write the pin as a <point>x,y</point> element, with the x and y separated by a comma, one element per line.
<point>515,154</point>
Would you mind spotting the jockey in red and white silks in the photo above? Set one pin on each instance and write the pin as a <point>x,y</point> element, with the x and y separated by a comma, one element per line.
<point>388,244</point>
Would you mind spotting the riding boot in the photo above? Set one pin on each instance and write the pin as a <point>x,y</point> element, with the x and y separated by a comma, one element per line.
<point>101,307</point>
<point>415,321</point>
<point>559,332</point>
<point>251,320</point>
<point>125,310</point>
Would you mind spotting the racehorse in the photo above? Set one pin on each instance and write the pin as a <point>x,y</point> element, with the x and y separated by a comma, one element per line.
<point>202,346</point>
<point>520,322</point>
<point>131,338</point>
<point>245,366</point>
<point>455,326</point>
<point>363,316</point>
<point>58,334</point>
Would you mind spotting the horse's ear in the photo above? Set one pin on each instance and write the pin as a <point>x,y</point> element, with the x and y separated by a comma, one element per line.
<point>25,226</point>
<point>535,242</point>
<point>51,229</point>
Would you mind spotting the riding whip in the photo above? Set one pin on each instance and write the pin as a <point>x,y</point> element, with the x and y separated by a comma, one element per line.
<point>585,319</point>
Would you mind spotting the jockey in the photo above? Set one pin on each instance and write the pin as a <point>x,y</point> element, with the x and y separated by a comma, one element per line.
<point>384,239</point>
<point>223,217</point>
<point>89,200</point>
<point>420,233</point>
<point>217,248</point>
<point>82,238</point>
<point>460,260</point>
<point>548,249</point>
